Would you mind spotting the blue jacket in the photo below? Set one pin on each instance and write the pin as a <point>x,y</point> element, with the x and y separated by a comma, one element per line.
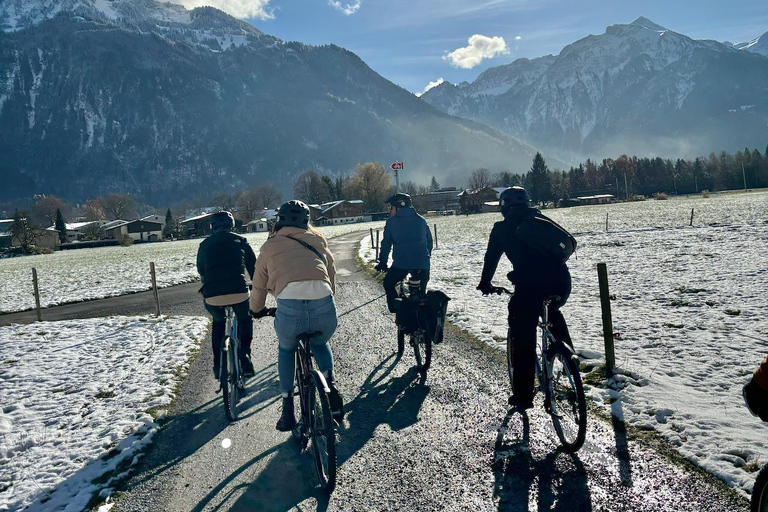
<point>409,233</point>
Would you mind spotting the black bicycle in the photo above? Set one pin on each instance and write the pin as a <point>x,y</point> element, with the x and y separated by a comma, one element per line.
<point>230,373</point>
<point>411,319</point>
<point>557,371</point>
<point>317,424</point>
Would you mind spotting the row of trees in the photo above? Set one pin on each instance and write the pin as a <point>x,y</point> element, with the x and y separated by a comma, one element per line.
<point>632,176</point>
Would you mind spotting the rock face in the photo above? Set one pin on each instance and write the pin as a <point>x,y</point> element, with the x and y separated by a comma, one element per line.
<point>637,88</point>
<point>136,96</point>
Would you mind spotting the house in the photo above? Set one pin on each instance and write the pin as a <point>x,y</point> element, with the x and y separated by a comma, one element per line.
<point>199,225</point>
<point>490,207</point>
<point>47,238</point>
<point>84,230</point>
<point>598,199</point>
<point>440,201</point>
<point>138,230</point>
<point>342,212</point>
<point>156,218</point>
<point>259,225</point>
<point>5,233</point>
<point>471,201</point>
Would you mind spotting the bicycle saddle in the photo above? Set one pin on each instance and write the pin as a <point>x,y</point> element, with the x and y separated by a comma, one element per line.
<point>308,335</point>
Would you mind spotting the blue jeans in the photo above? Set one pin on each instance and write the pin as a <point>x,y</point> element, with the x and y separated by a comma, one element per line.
<point>295,317</point>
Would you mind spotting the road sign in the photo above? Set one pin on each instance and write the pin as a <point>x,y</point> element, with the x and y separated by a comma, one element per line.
<point>397,166</point>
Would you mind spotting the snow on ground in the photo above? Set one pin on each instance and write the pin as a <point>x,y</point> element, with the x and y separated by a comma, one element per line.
<point>84,274</point>
<point>690,309</point>
<point>77,402</point>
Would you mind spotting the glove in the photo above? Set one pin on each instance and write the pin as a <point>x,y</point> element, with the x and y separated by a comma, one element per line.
<point>757,399</point>
<point>381,267</point>
<point>486,288</point>
<point>260,314</point>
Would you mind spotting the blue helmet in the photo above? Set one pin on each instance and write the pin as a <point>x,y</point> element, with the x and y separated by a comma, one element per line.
<point>222,221</point>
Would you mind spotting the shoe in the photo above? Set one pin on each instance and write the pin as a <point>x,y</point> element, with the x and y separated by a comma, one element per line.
<point>287,420</point>
<point>216,371</point>
<point>520,404</point>
<point>337,403</point>
<point>247,366</point>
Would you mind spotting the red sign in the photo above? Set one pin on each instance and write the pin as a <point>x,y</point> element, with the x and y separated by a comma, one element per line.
<point>397,166</point>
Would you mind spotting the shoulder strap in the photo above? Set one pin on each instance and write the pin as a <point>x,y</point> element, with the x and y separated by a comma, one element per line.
<point>310,248</point>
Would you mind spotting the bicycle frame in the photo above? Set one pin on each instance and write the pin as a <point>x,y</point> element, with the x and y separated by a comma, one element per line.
<point>231,336</point>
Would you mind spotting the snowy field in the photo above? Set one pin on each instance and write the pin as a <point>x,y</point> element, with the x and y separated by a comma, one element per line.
<point>84,274</point>
<point>690,309</point>
<point>76,402</point>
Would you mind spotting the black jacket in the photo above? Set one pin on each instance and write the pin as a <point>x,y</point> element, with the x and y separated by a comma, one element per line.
<point>222,262</point>
<point>531,270</point>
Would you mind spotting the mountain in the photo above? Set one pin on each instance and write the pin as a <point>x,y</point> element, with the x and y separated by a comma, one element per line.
<point>100,96</point>
<point>759,45</point>
<point>637,89</point>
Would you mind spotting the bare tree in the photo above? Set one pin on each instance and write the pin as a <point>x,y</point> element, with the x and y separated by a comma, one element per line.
<point>371,183</point>
<point>23,232</point>
<point>249,205</point>
<point>118,206</point>
<point>410,188</point>
<point>92,231</point>
<point>44,211</point>
<point>224,201</point>
<point>480,178</point>
<point>268,195</point>
<point>92,210</point>
<point>311,188</point>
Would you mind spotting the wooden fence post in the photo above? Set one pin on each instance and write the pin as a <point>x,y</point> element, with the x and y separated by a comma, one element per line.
<point>377,243</point>
<point>606,221</point>
<point>605,305</point>
<point>37,295</point>
<point>435,236</point>
<point>371,237</point>
<point>691,224</point>
<point>154,287</point>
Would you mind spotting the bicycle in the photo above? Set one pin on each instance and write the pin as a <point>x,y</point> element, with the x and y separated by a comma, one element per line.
<point>317,423</point>
<point>559,380</point>
<point>411,319</point>
<point>759,501</point>
<point>231,377</point>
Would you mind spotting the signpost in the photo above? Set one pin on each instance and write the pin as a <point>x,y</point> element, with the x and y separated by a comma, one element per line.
<point>397,166</point>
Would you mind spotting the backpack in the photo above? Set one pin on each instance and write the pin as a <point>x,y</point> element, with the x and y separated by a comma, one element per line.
<point>547,237</point>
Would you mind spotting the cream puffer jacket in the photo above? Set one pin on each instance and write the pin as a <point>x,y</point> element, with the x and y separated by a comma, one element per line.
<point>282,261</point>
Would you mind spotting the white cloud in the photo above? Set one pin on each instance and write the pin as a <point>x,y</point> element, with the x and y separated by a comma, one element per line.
<point>237,8</point>
<point>480,48</point>
<point>518,38</point>
<point>430,85</point>
<point>347,9</point>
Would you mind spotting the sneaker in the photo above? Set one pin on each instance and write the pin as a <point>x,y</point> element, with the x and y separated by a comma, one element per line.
<point>519,404</point>
<point>247,366</point>
<point>287,420</point>
<point>336,402</point>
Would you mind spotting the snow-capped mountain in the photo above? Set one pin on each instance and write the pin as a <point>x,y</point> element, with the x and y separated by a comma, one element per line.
<point>638,88</point>
<point>759,45</point>
<point>135,96</point>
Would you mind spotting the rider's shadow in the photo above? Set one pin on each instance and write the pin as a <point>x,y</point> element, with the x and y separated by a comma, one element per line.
<point>395,402</point>
<point>559,480</point>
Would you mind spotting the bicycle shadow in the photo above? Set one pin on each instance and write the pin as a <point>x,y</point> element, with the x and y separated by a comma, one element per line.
<point>287,481</point>
<point>622,447</point>
<point>556,482</point>
<point>395,402</point>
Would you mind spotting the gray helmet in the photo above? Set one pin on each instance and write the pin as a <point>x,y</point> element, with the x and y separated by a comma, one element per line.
<point>222,221</point>
<point>513,198</point>
<point>400,200</point>
<point>293,213</point>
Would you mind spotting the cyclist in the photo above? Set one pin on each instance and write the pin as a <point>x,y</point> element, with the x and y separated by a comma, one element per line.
<point>407,235</point>
<point>756,391</point>
<point>296,267</point>
<point>223,260</point>
<point>535,277</point>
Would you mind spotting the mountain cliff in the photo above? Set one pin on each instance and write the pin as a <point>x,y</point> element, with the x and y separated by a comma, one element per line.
<point>637,89</point>
<point>136,96</point>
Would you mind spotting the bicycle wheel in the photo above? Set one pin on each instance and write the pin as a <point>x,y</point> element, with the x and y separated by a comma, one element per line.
<point>229,385</point>
<point>760,492</point>
<point>322,433</point>
<point>400,341</point>
<point>567,404</point>
<point>422,349</point>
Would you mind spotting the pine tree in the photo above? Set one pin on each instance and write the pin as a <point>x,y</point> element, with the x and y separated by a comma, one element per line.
<point>61,226</point>
<point>434,186</point>
<point>168,228</point>
<point>538,180</point>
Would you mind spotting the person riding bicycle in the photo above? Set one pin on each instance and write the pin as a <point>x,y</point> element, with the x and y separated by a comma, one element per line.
<point>756,391</point>
<point>407,235</point>
<point>535,277</point>
<point>296,267</point>
<point>223,259</point>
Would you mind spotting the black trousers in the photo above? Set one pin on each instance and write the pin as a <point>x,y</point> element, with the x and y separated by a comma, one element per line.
<point>244,327</point>
<point>395,275</point>
<point>524,311</point>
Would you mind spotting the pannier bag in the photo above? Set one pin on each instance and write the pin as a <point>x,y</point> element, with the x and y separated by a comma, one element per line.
<point>547,237</point>
<point>405,314</point>
<point>437,303</point>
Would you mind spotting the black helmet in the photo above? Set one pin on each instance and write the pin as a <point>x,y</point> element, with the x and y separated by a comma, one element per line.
<point>400,200</point>
<point>293,213</point>
<point>513,197</point>
<point>222,221</point>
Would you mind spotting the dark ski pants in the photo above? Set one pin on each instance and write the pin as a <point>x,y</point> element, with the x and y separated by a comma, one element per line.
<point>395,275</point>
<point>244,327</point>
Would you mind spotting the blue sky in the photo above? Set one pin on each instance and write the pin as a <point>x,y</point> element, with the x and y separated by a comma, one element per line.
<point>410,42</point>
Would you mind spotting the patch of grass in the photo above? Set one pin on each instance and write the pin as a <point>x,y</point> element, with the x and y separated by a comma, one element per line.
<point>104,394</point>
<point>685,289</point>
<point>751,467</point>
<point>679,303</point>
<point>733,312</point>
<point>596,374</point>
<point>10,361</point>
<point>673,326</point>
<point>455,279</point>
